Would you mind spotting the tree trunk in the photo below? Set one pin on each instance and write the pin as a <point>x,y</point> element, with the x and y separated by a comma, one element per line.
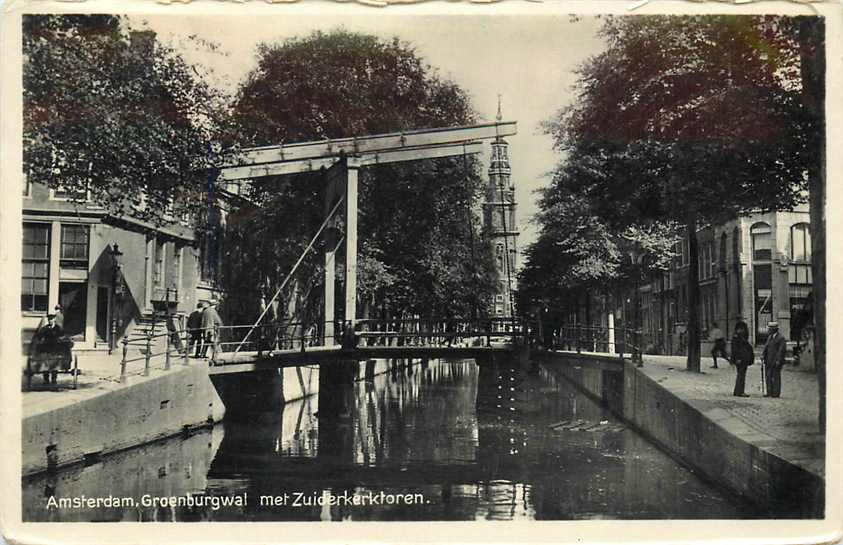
<point>662,325</point>
<point>693,287</point>
<point>811,35</point>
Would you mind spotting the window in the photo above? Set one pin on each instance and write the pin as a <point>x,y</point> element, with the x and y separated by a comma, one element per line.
<point>178,267</point>
<point>799,274</point>
<point>36,267</point>
<point>158,272</point>
<point>706,266</point>
<point>62,193</point>
<point>723,252</point>
<point>800,243</point>
<point>74,246</point>
<point>762,243</point>
<point>736,241</point>
<point>712,260</point>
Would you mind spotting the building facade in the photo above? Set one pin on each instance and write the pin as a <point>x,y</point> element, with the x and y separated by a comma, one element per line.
<point>110,274</point>
<point>499,221</point>
<point>756,268</point>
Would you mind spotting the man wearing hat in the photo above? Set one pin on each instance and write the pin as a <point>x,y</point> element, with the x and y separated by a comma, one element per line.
<point>211,322</point>
<point>773,358</point>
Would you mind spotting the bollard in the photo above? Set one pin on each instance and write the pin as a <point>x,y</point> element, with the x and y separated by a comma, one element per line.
<point>123,362</point>
<point>148,354</point>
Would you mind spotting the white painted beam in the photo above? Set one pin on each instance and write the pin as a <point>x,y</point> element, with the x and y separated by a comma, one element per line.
<point>377,157</point>
<point>365,144</point>
<point>351,244</point>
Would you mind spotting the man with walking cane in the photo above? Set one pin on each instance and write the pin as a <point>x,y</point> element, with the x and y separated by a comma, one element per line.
<point>772,359</point>
<point>763,377</point>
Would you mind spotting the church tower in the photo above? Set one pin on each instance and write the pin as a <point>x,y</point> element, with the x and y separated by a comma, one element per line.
<point>500,225</point>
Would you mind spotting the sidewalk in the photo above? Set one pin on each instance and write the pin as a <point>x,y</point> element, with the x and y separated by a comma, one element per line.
<point>785,426</point>
<point>99,373</point>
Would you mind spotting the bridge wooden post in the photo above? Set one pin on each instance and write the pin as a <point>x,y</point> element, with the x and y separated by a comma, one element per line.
<point>352,168</point>
<point>341,182</point>
<point>334,188</point>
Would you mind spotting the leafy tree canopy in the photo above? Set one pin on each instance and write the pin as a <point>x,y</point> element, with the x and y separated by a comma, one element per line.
<point>690,117</point>
<point>688,120</point>
<point>420,250</point>
<point>111,112</point>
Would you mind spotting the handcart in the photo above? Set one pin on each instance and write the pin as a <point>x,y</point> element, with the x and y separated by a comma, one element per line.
<point>49,356</point>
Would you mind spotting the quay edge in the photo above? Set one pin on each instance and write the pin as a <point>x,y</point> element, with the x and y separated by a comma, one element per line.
<point>778,487</point>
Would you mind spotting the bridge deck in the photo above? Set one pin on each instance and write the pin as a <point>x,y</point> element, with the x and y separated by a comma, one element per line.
<point>244,362</point>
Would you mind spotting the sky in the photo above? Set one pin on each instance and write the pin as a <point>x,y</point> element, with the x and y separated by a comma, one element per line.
<point>528,60</point>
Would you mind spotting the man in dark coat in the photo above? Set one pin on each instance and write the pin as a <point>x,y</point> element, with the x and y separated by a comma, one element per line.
<point>773,358</point>
<point>742,357</point>
<point>194,330</point>
<point>47,340</point>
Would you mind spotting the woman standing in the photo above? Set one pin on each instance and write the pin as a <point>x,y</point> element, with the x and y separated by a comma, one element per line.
<point>742,357</point>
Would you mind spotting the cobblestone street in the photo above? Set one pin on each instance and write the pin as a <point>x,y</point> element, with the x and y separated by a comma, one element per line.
<point>786,426</point>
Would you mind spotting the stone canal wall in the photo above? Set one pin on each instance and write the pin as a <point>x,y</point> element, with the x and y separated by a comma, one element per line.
<point>701,441</point>
<point>118,416</point>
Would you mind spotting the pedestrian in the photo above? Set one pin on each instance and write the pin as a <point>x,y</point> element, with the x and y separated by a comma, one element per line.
<point>47,340</point>
<point>773,359</point>
<point>719,339</point>
<point>211,322</point>
<point>59,317</point>
<point>194,331</point>
<point>742,357</point>
<point>349,337</point>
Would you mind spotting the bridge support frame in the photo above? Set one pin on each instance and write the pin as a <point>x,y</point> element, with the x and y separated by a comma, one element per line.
<point>341,182</point>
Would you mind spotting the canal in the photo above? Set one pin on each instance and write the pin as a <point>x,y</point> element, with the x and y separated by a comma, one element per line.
<point>445,441</point>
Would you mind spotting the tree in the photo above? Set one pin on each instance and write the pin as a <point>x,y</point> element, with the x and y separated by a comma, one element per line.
<point>419,252</point>
<point>579,253</point>
<point>108,112</point>
<point>691,120</point>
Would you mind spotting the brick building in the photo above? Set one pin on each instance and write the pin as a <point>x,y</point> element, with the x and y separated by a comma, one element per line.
<point>113,275</point>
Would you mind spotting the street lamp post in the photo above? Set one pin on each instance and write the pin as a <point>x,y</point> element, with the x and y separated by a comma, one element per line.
<point>636,262</point>
<point>116,289</point>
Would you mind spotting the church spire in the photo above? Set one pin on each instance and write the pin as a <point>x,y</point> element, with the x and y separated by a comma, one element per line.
<point>499,117</point>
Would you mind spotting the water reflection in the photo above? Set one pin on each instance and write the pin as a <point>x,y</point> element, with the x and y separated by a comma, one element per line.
<point>477,443</point>
<point>175,467</point>
<point>473,443</point>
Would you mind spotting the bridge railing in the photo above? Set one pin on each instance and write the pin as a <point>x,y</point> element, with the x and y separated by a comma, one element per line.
<point>442,332</point>
<point>268,337</point>
<point>154,347</point>
<point>593,338</point>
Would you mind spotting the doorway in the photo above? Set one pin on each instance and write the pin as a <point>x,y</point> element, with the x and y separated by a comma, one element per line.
<point>763,278</point>
<point>73,297</point>
<point>103,314</point>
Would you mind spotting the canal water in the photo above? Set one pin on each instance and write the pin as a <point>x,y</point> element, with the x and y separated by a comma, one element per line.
<point>445,441</point>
